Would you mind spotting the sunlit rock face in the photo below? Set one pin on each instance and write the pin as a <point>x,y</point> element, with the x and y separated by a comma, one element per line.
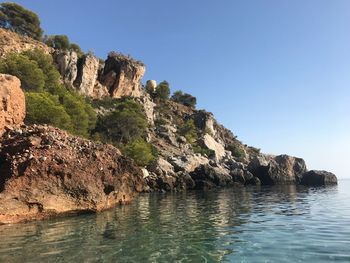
<point>12,102</point>
<point>122,76</point>
<point>46,172</point>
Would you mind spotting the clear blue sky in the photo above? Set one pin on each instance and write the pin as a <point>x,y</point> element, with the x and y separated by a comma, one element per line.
<point>277,73</point>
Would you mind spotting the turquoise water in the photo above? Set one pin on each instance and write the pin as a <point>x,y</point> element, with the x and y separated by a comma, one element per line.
<point>267,224</point>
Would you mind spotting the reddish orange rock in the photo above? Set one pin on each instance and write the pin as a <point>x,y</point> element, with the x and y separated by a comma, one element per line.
<point>46,172</point>
<point>12,102</point>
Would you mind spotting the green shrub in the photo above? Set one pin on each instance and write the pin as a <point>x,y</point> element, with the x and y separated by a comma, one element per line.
<point>106,103</point>
<point>123,125</point>
<point>44,108</point>
<point>140,151</point>
<point>27,70</point>
<point>189,131</point>
<point>203,151</point>
<point>57,42</point>
<point>20,20</point>
<point>184,99</point>
<point>46,64</point>
<point>82,115</point>
<point>77,49</point>
<point>236,151</point>
<point>162,91</point>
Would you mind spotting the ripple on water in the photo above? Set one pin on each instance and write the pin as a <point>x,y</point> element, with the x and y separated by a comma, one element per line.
<point>267,224</point>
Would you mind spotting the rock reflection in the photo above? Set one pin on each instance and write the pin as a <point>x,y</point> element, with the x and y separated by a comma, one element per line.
<point>196,226</point>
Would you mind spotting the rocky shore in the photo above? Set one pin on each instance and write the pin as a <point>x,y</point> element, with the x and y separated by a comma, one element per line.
<point>46,172</point>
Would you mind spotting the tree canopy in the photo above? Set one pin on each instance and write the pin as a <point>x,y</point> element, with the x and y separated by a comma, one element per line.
<point>20,20</point>
<point>184,98</point>
<point>163,90</point>
<point>124,124</point>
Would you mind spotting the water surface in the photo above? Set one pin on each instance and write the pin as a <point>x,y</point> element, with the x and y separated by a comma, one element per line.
<point>266,224</point>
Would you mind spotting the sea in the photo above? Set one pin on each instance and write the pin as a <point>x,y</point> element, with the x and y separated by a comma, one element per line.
<point>242,224</point>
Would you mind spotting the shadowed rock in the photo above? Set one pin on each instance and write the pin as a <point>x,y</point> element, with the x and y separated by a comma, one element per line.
<point>317,178</point>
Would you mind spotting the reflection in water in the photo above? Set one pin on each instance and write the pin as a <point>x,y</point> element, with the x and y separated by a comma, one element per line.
<point>279,224</point>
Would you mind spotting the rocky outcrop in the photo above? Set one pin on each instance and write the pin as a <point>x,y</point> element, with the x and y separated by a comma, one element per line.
<point>282,169</point>
<point>46,172</point>
<point>122,76</point>
<point>66,62</point>
<point>12,42</point>
<point>12,102</point>
<point>318,178</point>
<point>210,143</point>
<point>87,75</point>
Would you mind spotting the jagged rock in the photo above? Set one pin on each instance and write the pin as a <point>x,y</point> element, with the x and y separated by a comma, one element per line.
<point>99,91</point>
<point>205,121</point>
<point>87,75</point>
<point>66,62</point>
<point>122,76</point>
<point>282,169</point>
<point>210,143</point>
<point>63,174</point>
<point>188,163</point>
<point>162,167</point>
<point>206,177</point>
<point>318,178</point>
<point>148,107</point>
<point>12,102</point>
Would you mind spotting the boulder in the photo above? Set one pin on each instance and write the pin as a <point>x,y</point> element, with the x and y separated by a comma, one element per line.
<point>207,176</point>
<point>122,76</point>
<point>318,178</point>
<point>12,102</point>
<point>209,142</point>
<point>282,169</point>
<point>46,172</point>
<point>205,121</point>
<point>187,163</point>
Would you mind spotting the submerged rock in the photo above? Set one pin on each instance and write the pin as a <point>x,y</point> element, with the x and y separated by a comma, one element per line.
<point>317,178</point>
<point>45,171</point>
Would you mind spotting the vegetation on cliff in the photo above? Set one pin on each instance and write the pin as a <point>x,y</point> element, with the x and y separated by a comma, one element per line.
<point>20,20</point>
<point>48,101</point>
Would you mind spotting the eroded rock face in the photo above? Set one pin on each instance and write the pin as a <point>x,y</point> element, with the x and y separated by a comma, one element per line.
<point>122,76</point>
<point>318,178</point>
<point>281,169</point>
<point>66,62</point>
<point>46,172</point>
<point>12,102</point>
<point>87,75</point>
<point>209,142</point>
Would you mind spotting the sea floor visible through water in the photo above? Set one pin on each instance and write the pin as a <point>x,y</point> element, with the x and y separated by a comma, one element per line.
<point>253,224</point>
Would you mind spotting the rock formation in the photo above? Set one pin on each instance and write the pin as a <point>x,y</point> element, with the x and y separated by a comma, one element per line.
<point>317,178</point>
<point>12,104</point>
<point>47,172</point>
<point>66,62</point>
<point>122,75</point>
<point>13,42</point>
